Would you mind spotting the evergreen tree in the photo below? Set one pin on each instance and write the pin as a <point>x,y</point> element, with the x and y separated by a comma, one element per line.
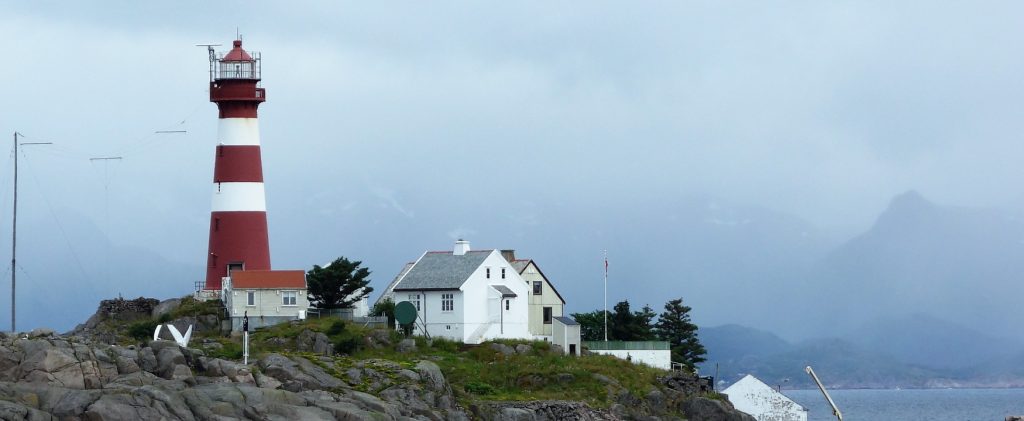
<point>644,322</point>
<point>338,285</point>
<point>675,327</point>
<point>591,325</point>
<point>385,307</point>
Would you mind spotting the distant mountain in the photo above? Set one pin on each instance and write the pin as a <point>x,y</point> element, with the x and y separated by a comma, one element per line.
<point>916,351</point>
<point>962,264</point>
<point>931,342</point>
<point>734,342</point>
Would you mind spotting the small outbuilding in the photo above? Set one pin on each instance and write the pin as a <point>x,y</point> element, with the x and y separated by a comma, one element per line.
<point>566,334</point>
<point>752,396</point>
<point>268,297</point>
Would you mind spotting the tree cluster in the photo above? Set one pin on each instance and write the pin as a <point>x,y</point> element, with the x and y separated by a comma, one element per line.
<point>340,284</point>
<point>673,325</point>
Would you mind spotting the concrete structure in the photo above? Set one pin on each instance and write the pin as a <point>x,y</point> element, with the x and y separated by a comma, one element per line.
<point>465,295</point>
<point>545,303</point>
<point>656,354</point>
<point>566,334</point>
<point>268,297</point>
<point>238,221</point>
<point>752,396</point>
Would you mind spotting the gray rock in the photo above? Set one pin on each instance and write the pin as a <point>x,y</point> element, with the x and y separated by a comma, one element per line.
<point>147,360</point>
<point>516,414</point>
<point>502,348</point>
<point>16,411</point>
<point>699,408</point>
<point>406,345</point>
<point>431,374</point>
<point>41,332</point>
<point>267,382</point>
<point>605,379</point>
<point>166,307</point>
<point>168,359</point>
<point>409,374</point>
<point>564,377</point>
<point>298,374</point>
<point>523,349</point>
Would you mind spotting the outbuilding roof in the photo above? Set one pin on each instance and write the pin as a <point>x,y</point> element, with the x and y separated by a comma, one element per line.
<point>568,321</point>
<point>268,279</point>
<point>442,270</point>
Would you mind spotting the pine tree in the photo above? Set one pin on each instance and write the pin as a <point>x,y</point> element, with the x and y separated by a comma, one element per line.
<point>338,285</point>
<point>675,327</point>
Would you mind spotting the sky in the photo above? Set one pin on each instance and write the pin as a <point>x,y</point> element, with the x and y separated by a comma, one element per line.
<point>450,119</point>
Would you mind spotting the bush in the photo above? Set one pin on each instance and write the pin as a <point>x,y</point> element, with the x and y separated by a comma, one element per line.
<point>336,328</point>
<point>229,351</point>
<point>479,388</point>
<point>142,330</point>
<point>346,346</point>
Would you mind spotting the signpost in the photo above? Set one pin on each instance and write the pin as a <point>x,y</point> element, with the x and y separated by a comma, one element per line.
<point>245,338</point>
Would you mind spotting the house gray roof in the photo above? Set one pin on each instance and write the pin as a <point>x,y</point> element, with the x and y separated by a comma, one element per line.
<point>394,282</point>
<point>568,321</point>
<point>504,290</point>
<point>519,265</point>
<point>442,270</point>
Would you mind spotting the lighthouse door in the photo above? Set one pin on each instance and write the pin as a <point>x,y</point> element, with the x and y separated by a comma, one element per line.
<point>235,266</point>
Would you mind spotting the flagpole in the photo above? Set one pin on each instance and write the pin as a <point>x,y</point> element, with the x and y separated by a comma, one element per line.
<point>606,295</point>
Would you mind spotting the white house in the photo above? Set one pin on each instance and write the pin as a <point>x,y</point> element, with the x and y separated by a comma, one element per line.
<point>752,396</point>
<point>268,297</point>
<point>545,303</point>
<point>466,295</point>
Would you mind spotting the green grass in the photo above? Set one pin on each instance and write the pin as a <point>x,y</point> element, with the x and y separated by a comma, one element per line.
<point>477,372</point>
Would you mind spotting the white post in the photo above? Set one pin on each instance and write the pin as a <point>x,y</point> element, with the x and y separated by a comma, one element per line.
<point>245,348</point>
<point>606,295</point>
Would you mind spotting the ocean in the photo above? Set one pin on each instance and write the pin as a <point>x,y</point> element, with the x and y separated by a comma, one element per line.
<point>916,405</point>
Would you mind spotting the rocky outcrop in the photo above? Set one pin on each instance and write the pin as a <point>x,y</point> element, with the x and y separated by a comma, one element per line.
<point>58,378</point>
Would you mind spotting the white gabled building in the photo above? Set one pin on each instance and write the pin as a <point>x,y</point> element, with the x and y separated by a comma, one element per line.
<point>465,295</point>
<point>752,396</point>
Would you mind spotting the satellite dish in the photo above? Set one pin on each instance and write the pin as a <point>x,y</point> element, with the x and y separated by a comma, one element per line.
<point>405,313</point>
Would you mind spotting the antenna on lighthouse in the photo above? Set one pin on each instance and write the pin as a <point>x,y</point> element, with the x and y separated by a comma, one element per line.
<point>213,55</point>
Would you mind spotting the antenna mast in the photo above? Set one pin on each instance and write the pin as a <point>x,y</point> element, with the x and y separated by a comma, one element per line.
<point>213,56</point>
<point>14,231</point>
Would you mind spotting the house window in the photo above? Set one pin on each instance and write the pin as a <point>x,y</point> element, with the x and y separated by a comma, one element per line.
<point>502,273</point>
<point>547,315</point>
<point>538,287</point>
<point>447,302</point>
<point>288,298</point>
<point>506,304</point>
<point>415,300</point>
<point>250,298</point>
<point>488,273</point>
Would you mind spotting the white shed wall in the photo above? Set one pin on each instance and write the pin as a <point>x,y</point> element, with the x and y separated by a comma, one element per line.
<point>657,358</point>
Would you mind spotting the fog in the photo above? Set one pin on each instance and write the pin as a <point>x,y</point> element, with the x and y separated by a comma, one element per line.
<point>725,153</point>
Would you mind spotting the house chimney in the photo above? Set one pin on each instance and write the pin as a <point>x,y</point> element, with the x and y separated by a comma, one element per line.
<point>461,247</point>
<point>509,255</point>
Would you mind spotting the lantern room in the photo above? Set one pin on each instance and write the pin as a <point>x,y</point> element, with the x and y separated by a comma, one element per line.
<point>236,64</point>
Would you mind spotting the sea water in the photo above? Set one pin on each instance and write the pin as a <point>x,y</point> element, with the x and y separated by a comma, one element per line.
<point>915,404</point>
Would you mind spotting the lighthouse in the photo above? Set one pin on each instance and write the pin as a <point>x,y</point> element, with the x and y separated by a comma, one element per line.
<point>238,221</point>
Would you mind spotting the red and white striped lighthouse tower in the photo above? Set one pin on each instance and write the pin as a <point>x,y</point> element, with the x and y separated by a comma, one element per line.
<point>238,223</point>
